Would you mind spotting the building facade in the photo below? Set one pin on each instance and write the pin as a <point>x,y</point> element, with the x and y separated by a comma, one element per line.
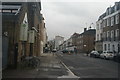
<point>23,30</point>
<point>110,27</point>
<point>70,44</point>
<point>58,40</point>
<point>86,41</point>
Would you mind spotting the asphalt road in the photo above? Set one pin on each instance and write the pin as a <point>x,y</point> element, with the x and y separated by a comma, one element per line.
<point>87,67</point>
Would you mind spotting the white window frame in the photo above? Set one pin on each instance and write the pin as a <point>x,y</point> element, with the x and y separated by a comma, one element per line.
<point>97,37</point>
<point>117,19</point>
<point>108,34</point>
<point>115,8</point>
<point>97,26</point>
<point>110,10</point>
<point>112,20</point>
<point>112,34</point>
<point>100,36</point>
<point>117,33</point>
<point>107,21</point>
<point>108,47</point>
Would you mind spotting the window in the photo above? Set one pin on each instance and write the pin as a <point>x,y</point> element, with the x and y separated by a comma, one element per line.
<point>100,36</point>
<point>115,8</point>
<point>105,22</point>
<point>105,36</point>
<point>117,19</point>
<point>108,47</point>
<point>104,47</point>
<point>118,48</point>
<point>107,12</point>
<point>113,47</point>
<point>110,10</point>
<point>117,34</point>
<point>108,22</point>
<point>97,37</point>
<point>101,25</point>
<point>112,35</point>
<point>112,21</point>
<point>97,26</point>
<point>108,34</point>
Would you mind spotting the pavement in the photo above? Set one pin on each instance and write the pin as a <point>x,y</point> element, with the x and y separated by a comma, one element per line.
<point>50,67</point>
<point>66,67</point>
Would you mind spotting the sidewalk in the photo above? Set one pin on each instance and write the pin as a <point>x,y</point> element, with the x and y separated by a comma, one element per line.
<point>50,67</point>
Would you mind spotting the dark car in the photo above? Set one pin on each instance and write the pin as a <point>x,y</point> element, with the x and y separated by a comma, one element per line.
<point>65,51</point>
<point>54,50</point>
<point>94,54</point>
<point>117,57</point>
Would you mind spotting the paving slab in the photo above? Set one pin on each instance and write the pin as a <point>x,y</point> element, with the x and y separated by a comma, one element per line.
<point>50,67</point>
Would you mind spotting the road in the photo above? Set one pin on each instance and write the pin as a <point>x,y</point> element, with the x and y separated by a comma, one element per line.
<point>86,67</point>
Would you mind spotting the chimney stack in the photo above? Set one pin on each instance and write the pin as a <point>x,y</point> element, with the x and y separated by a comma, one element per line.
<point>85,29</point>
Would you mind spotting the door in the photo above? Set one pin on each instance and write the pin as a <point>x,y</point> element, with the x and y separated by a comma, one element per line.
<point>4,52</point>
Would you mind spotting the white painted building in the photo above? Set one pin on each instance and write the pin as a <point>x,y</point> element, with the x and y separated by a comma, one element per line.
<point>110,29</point>
<point>58,40</point>
<point>99,34</point>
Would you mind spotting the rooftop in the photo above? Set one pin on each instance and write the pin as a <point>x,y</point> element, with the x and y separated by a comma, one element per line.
<point>117,4</point>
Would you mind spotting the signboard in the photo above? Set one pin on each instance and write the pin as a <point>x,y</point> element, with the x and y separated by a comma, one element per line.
<point>24,29</point>
<point>31,36</point>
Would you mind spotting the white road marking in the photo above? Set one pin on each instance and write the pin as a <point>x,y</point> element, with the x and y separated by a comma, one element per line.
<point>60,54</point>
<point>70,73</point>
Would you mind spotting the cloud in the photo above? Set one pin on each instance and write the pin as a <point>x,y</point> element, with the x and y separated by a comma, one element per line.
<point>65,18</point>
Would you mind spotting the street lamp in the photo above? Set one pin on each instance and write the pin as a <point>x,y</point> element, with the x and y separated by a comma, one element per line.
<point>85,45</point>
<point>90,25</point>
<point>85,49</point>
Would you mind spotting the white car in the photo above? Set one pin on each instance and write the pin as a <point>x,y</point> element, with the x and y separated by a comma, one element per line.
<point>107,55</point>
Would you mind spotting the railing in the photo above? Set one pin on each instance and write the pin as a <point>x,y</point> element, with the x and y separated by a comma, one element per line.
<point>117,39</point>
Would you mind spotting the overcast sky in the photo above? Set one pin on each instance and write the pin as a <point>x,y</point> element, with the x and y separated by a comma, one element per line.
<point>66,17</point>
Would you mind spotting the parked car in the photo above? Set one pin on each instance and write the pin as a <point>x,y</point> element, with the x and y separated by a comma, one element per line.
<point>54,50</point>
<point>117,57</point>
<point>94,54</point>
<point>65,51</point>
<point>107,55</point>
<point>60,51</point>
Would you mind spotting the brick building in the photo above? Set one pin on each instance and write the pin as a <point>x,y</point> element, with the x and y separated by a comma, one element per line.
<point>22,26</point>
<point>86,41</point>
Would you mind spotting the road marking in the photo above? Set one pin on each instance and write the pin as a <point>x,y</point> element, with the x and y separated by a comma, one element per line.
<point>67,68</point>
<point>60,54</point>
<point>70,73</point>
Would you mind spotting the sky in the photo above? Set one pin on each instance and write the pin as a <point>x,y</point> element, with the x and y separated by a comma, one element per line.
<point>65,17</point>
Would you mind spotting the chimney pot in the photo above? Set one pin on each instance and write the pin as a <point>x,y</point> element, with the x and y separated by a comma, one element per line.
<point>85,29</point>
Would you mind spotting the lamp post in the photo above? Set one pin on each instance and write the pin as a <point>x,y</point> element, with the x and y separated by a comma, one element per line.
<point>91,25</point>
<point>84,47</point>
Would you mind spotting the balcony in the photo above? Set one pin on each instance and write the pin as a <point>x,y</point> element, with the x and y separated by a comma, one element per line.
<point>117,39</point>
<point>108,39</point>
<point>99,41</point>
